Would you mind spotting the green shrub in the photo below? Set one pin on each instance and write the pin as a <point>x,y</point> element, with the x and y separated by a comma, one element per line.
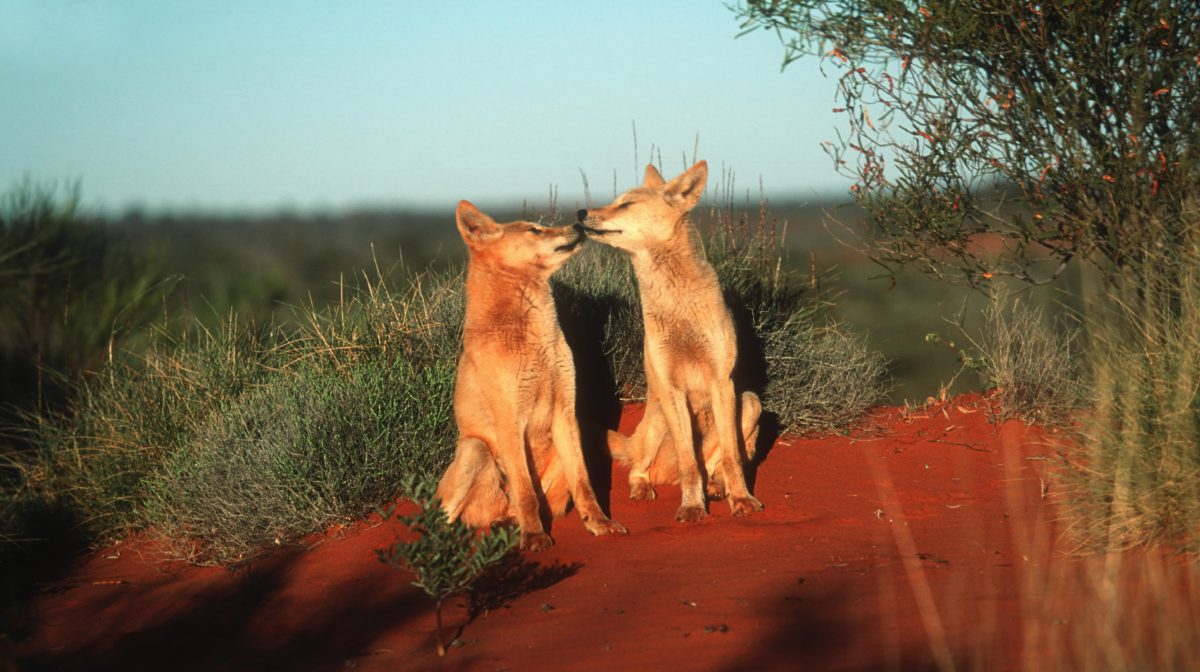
<point>138,410</point>
<point>301,451</point>
<point>231,438</point>
<point>447,557</point>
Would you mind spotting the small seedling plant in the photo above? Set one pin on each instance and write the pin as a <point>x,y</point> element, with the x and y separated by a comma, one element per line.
<point>447,557</point>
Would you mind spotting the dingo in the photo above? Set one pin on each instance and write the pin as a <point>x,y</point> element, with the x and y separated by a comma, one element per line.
<point>514,397</point>
<point>690,350</point>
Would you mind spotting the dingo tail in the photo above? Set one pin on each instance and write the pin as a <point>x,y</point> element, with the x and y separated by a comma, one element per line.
<point>618,447</point>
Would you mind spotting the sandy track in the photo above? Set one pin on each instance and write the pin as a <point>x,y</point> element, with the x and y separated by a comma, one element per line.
<point>881,551</point>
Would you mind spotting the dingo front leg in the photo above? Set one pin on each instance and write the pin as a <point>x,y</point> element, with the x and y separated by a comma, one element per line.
<point>679,423</point>
<point>570,452</point>
<point>741,502</point>
<point>524,501</point>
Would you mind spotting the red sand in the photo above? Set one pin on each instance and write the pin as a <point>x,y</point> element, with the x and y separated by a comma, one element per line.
<point>933,514</point>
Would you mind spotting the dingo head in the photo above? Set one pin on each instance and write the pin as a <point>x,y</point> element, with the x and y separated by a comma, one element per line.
<point>647,215</point>
<point>522,246</point>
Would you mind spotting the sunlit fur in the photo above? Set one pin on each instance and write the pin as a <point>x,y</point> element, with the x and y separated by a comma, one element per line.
<point>690,351</point>
<point>518,453</point>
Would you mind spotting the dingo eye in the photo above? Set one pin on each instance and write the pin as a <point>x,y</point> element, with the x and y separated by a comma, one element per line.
<point>624,205</point>
<point>534,231</point>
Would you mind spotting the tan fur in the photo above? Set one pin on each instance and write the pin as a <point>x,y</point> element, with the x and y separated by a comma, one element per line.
<point>514,397</point>
<point>662,466</point>
<point>690,350</point>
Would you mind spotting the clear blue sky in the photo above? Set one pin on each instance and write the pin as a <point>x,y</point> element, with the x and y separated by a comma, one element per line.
<point>228,105</point>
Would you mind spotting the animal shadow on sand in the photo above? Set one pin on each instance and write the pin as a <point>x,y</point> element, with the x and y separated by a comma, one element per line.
<point>750,373</point>
<point>514,577</point>
<point>583,318</point>
<point>223,627</point>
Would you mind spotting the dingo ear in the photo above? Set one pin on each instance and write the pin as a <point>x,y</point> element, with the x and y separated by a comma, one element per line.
<point>688,186</point>
<point>476,228</point>
<point>653,177</point>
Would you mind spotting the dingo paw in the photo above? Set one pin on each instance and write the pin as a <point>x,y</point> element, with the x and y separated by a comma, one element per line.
<point>715,490</point>
<point>690,514</point>
<point>535,541</point>
<point>641,491</point>
<point>744,506</point>
<point>605,526</point>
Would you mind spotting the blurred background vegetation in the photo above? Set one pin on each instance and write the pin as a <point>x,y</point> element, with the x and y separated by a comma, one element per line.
<point>237,382</point>
<point>79,286</point>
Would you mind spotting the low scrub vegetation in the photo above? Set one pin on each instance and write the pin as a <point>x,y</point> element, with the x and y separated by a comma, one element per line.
<point>1033,365</point>
<point>231,439</point>
<point>235,439</point>
<point>1129,401</point>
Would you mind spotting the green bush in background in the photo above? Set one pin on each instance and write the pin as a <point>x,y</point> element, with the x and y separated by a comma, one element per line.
<point>300,452</point>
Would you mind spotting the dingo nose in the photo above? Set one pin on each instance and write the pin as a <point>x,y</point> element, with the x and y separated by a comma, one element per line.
<point>581,215</point>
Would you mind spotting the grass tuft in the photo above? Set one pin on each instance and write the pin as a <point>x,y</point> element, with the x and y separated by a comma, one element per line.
<point>1138,474</point>
<point>236,439</point>
<point>821,378</point>
<point>140,409</point>
<point>303,451</point>
<point>1032,365</point>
